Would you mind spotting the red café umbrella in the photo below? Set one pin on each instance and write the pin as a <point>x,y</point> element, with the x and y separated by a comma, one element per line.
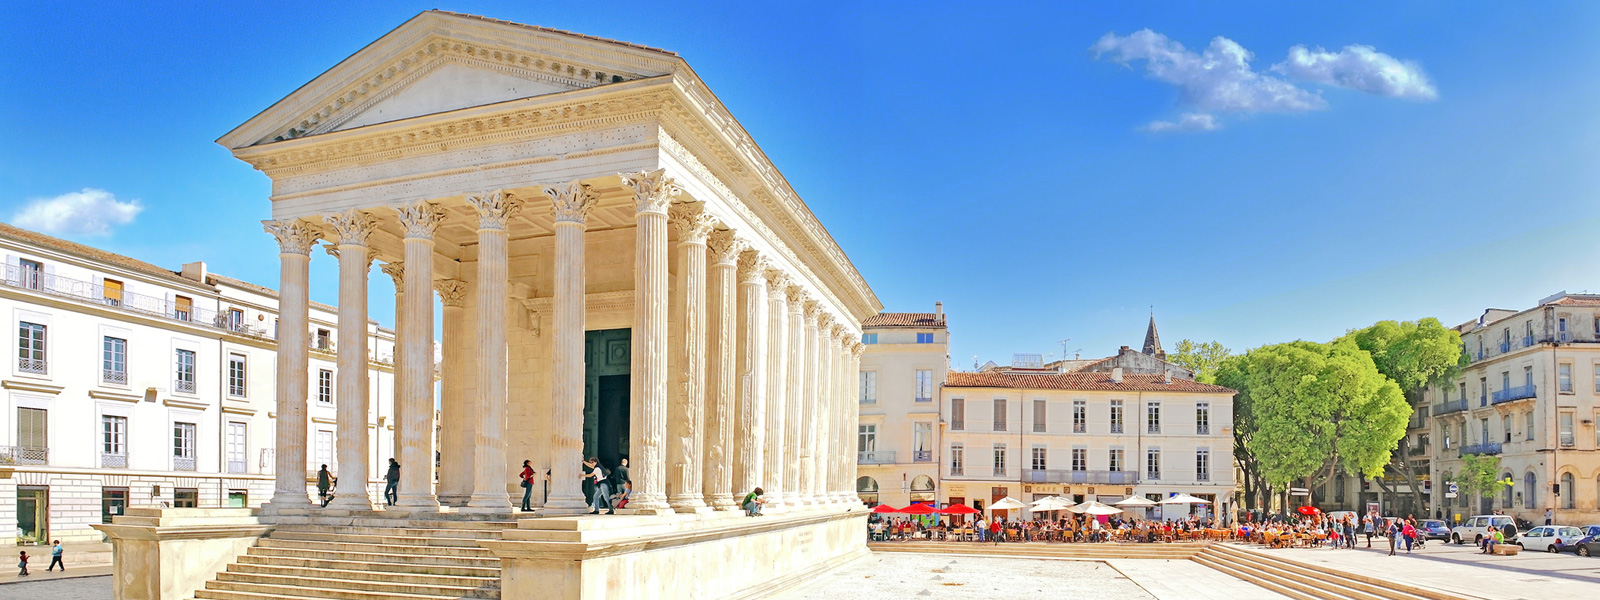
<point>1310,510</point>
<point>919,509</point>
<point>884,509</point>
<point>958,509</point>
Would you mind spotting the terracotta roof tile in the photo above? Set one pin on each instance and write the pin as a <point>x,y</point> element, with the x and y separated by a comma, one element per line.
<point>88,252</point>
<point>1576,301</point>
<point>888,319</point>
<point>1080,381</point>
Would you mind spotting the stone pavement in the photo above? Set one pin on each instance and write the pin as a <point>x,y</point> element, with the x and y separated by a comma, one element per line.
<point>36,573</point>
<point>1189,580</point>
<point>72,588</point>
<point>1462,570</point>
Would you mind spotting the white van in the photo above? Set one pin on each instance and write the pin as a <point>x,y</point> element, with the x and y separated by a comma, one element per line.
<point>1475,528</point>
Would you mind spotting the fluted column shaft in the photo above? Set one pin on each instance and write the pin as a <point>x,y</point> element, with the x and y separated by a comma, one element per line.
<point>852,418</point>
<point>721,369</point>
<point>294,247</point>
<point>816,411</point>
<point>648,419</point>
<point>457,416</point>
<point>751,425</point>
<point>489,490</point>
<point>777,373</point>
<point>795,405</point>
<point>415,380</point>
<point>686,423</point>
<point>572,204</point>
<point>352,229</point>
<point>396,271</point>
<point>827,408</point>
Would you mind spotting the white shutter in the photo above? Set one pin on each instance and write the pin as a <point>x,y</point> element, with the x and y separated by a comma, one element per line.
<point>32,430</point>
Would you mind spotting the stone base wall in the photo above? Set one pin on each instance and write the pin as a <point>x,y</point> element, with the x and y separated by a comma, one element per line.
<point>75,498</point>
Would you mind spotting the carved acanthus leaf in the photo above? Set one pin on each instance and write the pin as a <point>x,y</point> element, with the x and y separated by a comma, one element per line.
<point>797,297</point>
<point>691,221</point>
<point>352,227</point>
<point>420,219</point>
<point>452,292</point>
<point>396,271</point>
<point>725,246</point>
<point>753,267</point>
<point>572,202</point>
<point>295,236</point>
<point>494,208</point>
<point>813,312</point>
<point>652,190</point>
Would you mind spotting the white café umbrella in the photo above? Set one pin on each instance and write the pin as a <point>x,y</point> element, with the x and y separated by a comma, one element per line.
<point>1134,501</point>
<point>1050,503</point>
<point>1185,499</point>
<point>1007,503</point>
<point>1095,508</point>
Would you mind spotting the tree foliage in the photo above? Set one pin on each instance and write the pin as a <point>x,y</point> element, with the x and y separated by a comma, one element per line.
<point>1479,476</point>
<point>1414,354</point>
<point>1314,409</point>
<point>1202,358</point>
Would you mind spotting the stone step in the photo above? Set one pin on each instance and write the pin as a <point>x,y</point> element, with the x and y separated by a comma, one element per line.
<point>485,570</point>
<point>354,571</point>
<point>328,585</point>
<point>370,538</point>
<point>1276,584</point>
<point>376,557</point>
<point>458,551</point>
<point>476,533</point>
<point>267,592</point>
<point>419,523</point>
<point>1372,586</point>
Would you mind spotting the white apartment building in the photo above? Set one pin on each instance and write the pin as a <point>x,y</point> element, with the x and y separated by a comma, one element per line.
<point>1028,432</point>
<point>902,369</point>
<point>131,385</point>
<point>1530,396</point>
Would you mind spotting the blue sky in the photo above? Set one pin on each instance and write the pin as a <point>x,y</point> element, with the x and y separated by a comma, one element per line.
<point>979,154</point>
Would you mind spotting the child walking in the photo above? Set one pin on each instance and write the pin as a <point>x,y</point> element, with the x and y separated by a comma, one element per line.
<point>22,564</point>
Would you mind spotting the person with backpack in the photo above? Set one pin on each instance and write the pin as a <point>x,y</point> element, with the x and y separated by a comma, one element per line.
<point>391,489</point>
<point>324,483</point>
<point>602,487</point>
<point>527,485</point>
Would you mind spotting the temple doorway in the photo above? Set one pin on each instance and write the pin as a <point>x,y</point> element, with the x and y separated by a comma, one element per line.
<point>607,362</point>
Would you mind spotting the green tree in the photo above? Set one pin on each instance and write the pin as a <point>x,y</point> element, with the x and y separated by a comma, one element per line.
<point>1415,355</point>
<point>1316,409</point>
<point>1232,373</point>
<point>1480,477</point>
<point>1202,358</point>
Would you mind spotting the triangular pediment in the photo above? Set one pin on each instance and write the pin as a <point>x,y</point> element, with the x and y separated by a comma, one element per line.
<point>440,62</point>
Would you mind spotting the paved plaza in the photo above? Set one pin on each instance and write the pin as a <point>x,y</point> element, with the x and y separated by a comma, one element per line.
<point>72,588</point>
<point>1461,569</point>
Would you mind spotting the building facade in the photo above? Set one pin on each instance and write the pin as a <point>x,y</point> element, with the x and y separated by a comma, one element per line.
<point>130,385</point>
<point>902,370</point>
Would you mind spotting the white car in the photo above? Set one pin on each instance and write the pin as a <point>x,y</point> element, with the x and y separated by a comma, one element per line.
<point>1475,528</point>
<point>1544,537</point>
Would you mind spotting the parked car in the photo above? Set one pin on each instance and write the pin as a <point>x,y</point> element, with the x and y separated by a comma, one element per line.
<point>1573,546</point>
<point>1545,537</point>
<point>1475,528</point>
<point>1433,529</point>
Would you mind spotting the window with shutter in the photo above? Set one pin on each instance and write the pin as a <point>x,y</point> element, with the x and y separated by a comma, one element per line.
<point>32,436</point>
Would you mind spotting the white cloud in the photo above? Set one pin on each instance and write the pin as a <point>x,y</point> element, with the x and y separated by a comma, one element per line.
<point>1219,79</point>
<point>88,212</point>
<point>1359,68</point>
<point>1186,122</point>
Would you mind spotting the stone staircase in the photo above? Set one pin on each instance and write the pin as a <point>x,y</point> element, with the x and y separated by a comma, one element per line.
<point>1309,582</point>
<point>365,558</point>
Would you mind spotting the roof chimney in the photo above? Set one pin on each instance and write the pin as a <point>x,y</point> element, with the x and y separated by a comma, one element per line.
<point>938,311</point>
<point>1116,375</point>
<point>195,271</point>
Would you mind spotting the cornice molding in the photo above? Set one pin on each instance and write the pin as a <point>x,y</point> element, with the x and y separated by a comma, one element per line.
<point>239,410</point>
<point>104,395</point>
<point>185,404</point>
<point>30,386</point>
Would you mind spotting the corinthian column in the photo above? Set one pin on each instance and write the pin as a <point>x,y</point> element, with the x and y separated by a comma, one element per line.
<point>852,417</point>
<point>572,204</point>
<point>827,405</point>
<point>352,228</point>
<point>721,368</point>
<point>816,408</point>
<point>795,405</point>
<point>295,238</point>
<point>686,421</point>
<point>489,493</point>
<point>456,412</point>
<point>752,371</point>
<point>652,191</point>
<point>415,380</point>
<point>777,373</point>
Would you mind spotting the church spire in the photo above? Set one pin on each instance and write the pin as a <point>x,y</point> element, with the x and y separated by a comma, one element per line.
<point>1152,340</point>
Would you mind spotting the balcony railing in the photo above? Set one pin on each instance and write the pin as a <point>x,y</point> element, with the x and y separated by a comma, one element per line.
<point>1153,475</point>
<point>1116,428</point>
<point>116,376</point>
<point>921,456</point>
<point>1202,476</point>
<point>89,293</point>
<point>999,471</point>
<point>957,471</point>
<point>1527,340</point>
<point>875,457</point>
<point>32,365</point>
<point>1450,406</point>
<point>19,455</point>
<point>237,466</point>
<point>1202,430</point>
<point>186,387</point>
<point>113,460</point>
<point>1521,392</point>
<point>1490,448</point>
<point>1070,476</point>
<point>1568,441</point>
<point>1416,450</point>
<point>182,463</point>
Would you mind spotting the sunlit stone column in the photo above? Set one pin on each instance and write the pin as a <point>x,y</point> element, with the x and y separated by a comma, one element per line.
<point>752,426</point>
<point>795,403</point>
<point>815,413</point>
<point>852,418</point>
<point>777,373</point>
<point>827,406</point>
<point>351,230</point>
<point>722,365</point>
<point>456,414</point>
<point>295,238</point>
<point>396,270</point>
<point>415,380</point>
<point>686,418</point>
<point>572,204</point>
<point>652,192</point>
<point>489,493</point>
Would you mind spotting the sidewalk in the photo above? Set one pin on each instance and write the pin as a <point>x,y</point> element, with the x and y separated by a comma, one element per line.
<point>1461,569</point>
<point>1189,580</point>
<point>37,573</point>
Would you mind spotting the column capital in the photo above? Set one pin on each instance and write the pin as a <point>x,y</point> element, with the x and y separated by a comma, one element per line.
<point>396,270</point>
<point>494,208</point>
<point>333,250</point>
<point>572,202</point>
<point>420,219</point>
<point>753,268</point>
<point>777,281</point>
<point>652,190</point>
<point>824,321</point>
<point>725,246</point>
<point>691,221</point>
<point>857,349</point>
<point>813,311</point>
<point>797,297</point>
<point>352,227</point>
<point>295,236</point>
<point>840,332</point>
<point>452,292</point>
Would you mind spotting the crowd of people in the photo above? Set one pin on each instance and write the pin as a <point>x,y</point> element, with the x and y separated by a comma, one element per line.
<point>1068,527</point>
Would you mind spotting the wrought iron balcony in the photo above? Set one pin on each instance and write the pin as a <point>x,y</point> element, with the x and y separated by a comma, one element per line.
<point>1202,477</point>
<point>186,387</point>
<point>1450,406</point>
<point>875,457</point>
<point>32,365</point>
<point>1568,441</point>
<point>1527,340</point>
<point>113,460</point>
<point>20,455</point>
<point>1416,450</point>
<point>1521,392</point>
<point>1505,347</point>
<point>921,456</point>
<point>957,471</point>
<point>237,466</point>
<point>116,376</point>
<point>1070,476</point>
<point>182,463</point>
<point>1489,448</point>
<point>999,471</point>
<point>88,292</point>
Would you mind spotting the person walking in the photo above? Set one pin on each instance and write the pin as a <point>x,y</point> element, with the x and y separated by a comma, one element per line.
<point>1410,534</point>
<point>391,493</point>
<point>621,484</point>
<point>55,557</point>
<point>602,487</point>
<point>752,503</point>
<point>1549,516</point>
<point>22,564</point>
<point>1391,531</point>
<point>324,482</point>
<point>527,485</point>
